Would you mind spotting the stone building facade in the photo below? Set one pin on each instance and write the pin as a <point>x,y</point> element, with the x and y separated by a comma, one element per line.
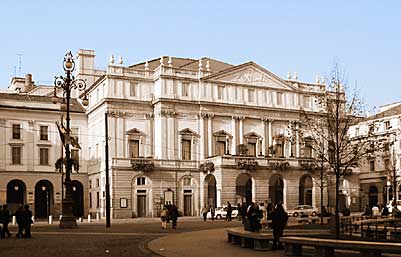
<point>30,146</point>
<point>380,169</point>
<point>198,132</point>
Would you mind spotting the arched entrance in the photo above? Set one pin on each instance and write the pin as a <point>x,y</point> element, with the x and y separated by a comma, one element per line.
<point>16,194</point>
<point>276,187</point>
<point>243,188</point>
<point>43,199</point>
<point>77,194</point>
<point>305,190</point>
<point>210,190</point>
<point>373,196</point>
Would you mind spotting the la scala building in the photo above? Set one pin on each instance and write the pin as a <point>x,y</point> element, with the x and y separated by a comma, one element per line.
<point>196,132</point>
<point>190,132</point>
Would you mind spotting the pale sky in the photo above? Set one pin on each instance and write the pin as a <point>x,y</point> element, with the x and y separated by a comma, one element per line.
<point>307,37</point>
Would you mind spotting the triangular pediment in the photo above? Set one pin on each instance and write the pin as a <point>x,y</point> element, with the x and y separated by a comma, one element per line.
<point>250,74</point>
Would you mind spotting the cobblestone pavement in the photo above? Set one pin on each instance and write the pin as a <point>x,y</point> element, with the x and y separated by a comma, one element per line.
<point>124,238</point>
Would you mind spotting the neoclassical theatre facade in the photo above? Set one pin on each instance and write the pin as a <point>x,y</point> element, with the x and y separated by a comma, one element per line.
<point>199,131</point>
<point>186,131</point>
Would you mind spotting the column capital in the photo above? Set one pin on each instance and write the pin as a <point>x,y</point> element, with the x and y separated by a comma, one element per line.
<point>238,117</point>
<point>168,113</point>
<point>149,116</point>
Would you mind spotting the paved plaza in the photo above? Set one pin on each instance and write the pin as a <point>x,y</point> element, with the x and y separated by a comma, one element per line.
<point>135,238</point>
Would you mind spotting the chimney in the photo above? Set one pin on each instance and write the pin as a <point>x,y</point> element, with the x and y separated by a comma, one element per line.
<point>28,84</point>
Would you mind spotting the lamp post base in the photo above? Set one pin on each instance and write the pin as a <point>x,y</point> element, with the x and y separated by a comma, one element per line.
<point>68,222</point>
<point>67,219</point>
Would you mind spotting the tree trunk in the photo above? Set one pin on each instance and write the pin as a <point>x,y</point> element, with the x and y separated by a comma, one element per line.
<point>337,172</point>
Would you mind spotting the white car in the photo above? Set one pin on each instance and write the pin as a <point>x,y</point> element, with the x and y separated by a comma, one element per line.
<point>221,213</point>
<point>303,210</point>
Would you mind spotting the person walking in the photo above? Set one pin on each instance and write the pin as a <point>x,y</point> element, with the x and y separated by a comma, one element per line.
<point>5,221</point>
<point>279,222</point>
<point>229,211</point>
<point>19,216</point>
<point>27,221</point>
<point>163,217</point>
<point>212,212</point>
<point>263,210</point>
<point>173,213</point>
<point>205,210</point>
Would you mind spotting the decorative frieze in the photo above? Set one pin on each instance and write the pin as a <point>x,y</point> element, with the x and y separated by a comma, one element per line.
<point>142,165</point>
<point>207,167</point>
<point>279,165</point>
<point>246,164</point>
<point>168,113</point>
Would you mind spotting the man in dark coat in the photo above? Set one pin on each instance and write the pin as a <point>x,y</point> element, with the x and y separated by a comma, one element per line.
<point>279,222</point>
<point>19,215</point>
<point>5,220</point>
<point>27,221</point>
<point>229,211</point>
<point>174,215</point>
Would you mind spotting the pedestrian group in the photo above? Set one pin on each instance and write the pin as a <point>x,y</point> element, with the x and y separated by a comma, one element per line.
<point>24,220</point>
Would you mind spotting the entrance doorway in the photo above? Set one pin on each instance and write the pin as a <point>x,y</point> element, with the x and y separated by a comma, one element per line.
<point>210,190</point>
<point>141,205</point>
<point>373,196</point>
<point>43,199</point>
<point>276,186</point>
<point>187,205</point>
<point>77,194</point>
<point>305,190</point>
<point>16,194</point>
<point>243,188</point>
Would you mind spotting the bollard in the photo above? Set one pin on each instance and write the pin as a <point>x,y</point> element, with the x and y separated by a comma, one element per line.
<point>33,219</point>
<point>14,220</point>
<point>60,217</point>
<point>89,218</point>
<point>97,216</point>
<point>50,219</point>
<point>80,219</point>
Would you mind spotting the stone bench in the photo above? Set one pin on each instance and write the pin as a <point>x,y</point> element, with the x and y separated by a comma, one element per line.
<point>261,240</point>
<point>327,247</point>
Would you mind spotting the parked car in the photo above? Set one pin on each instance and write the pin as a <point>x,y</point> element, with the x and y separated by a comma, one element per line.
<point>303,210</point>
<point>221,213</point>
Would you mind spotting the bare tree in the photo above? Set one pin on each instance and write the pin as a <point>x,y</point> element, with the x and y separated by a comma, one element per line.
<point>329,130</point>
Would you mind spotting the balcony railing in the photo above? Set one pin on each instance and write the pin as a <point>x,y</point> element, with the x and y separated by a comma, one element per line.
<point>150,163</point>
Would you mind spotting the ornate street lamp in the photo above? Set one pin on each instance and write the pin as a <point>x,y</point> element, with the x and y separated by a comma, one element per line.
<point>68,83</point>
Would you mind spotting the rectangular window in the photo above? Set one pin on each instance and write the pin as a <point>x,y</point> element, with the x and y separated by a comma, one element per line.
<point>251,95</point>
<point>44,135</point>
<point>133,89</point>
<point>90,200</point>
<point>75,156</point>
<point>372,165</point>
<point>387,125</point>
<point>220,92</point>
<point>187,181</point>
<point>16,154</point>
<point>16,131</point>
<point>387,164</point>
<point>306,103</point>
<point>220,148</point>
<point>97,199</point>
<point>44,156</point>
<point>251,149</point>
<point>97,182</point>
<point>279,99</point>
<point>185,89</point>
<point>90,184</point>
<point>186,149</point>
<point>133,148</point>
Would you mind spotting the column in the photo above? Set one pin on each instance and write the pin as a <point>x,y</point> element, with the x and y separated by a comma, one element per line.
<point>270,133</point>
<point>265,143</point>
<point>164,142</point>
<point>193,148</point>
<point>234,133</point>
<point>289,141</point>
<point>171,146</point>
<point>202,139</point>
<point>179,155</point>
<point>241,129</point>
<point>210,134</point>
<point>296,140</point>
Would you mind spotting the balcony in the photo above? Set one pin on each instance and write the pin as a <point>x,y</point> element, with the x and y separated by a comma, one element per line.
<point>149,164</point>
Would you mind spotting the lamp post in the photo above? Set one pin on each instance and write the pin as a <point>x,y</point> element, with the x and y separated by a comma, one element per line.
<point>68,83</point>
